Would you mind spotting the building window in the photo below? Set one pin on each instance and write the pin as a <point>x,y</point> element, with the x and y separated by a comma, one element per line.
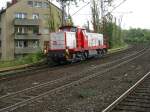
<point>21,44</point>
<point>20,30</point>
<point>35,30</point>
<point>35,16</point>
<point>38,4</point>
<point>45,5</point>
<point>20,15</point>
<point>35,44</point>
<point>30,3</point>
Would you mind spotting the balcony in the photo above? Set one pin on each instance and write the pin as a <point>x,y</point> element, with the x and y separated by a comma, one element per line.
<point>27,36</point>
<point>26,50</point>
<point>27,22</point>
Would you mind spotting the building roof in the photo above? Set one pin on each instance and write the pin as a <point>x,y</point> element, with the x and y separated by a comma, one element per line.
<point>12,3</point>
<point>2,11</point>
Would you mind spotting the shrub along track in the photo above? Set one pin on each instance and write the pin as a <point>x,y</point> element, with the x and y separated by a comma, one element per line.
<point>68,82</point>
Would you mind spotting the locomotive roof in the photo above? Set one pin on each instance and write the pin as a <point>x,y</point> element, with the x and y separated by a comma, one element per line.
<point>67,27</point>
<point>70,27</point>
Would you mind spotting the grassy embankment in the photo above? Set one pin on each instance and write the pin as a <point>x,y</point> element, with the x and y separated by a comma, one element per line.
<point>118,48</point>
<point>28,59</point>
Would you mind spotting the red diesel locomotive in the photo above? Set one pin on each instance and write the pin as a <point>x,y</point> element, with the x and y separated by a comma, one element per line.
<point>73,44</point>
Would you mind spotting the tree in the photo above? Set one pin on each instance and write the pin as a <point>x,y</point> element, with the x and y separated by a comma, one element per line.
<point>50,18</point>
<point>95,16</point>
<point>63,4</point>
<point>105,24</point>
<point>137,35</point>
<point>69,21</point>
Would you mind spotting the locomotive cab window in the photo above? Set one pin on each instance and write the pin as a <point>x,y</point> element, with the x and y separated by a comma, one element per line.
<point>99,42</point>
<point>70,29</point>
<point>73,29</point>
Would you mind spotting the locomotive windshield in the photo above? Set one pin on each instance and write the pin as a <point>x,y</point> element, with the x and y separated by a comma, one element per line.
<point>68,28</point>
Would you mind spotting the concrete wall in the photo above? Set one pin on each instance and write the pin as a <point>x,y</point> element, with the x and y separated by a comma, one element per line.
<point>8,36</point>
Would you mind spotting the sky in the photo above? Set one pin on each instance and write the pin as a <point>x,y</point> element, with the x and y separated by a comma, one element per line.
<point>134,13</point>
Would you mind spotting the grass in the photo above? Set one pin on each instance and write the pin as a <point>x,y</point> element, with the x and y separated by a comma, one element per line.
<point>85,93</point>
<point>118,48</point>
<point>28,59</point>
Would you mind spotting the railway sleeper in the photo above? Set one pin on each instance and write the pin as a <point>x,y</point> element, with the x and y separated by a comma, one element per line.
<point>136,104</point>
<point>141,94</point>
<point>124,108</point>
<point>137,100</point>
<point>139,97</point>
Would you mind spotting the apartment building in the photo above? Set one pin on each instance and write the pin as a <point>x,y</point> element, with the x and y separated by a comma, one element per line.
<point>24,26</point>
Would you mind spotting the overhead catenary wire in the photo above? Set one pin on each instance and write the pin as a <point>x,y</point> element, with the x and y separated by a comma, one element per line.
<point>117,6</point>
<point>80,8</point>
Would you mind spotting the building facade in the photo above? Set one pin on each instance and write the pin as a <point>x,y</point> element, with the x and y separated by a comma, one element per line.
<point>25,25</point>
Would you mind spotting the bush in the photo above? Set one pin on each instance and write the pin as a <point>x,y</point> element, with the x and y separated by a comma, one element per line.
<point>28,59</point>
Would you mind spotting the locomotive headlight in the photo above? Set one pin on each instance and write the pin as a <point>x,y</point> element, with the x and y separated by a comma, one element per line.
<point>67,50</point>
<point>45,51</point>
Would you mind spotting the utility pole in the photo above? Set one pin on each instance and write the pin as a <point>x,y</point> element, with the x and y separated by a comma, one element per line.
<point>63,6</point>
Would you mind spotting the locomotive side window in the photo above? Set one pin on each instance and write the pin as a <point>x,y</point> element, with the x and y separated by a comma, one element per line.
<point>99,42</point>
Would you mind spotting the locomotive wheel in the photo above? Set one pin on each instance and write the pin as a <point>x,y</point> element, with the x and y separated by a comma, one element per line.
<point>86,54</point>
<point>100,53</point>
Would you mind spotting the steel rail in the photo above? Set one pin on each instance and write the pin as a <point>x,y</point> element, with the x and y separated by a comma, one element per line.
<point>124,95</point>
<point>24,102</point>
<point>8,69</point>
<point>4,75</point>
<point>64,78</point>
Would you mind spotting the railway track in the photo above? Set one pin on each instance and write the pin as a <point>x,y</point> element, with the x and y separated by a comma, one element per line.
<point>18,99</point>
<point>9,74</point>
<point>40,67</point>
<point>135,99</point>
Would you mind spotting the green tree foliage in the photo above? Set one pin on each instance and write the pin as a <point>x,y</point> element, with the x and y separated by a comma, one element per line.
<point>106,26</point>
<point>50,20</point>
<point>70,21</point>
<point>137,35</point>
<point>95,16</point>
<point>115,34</point>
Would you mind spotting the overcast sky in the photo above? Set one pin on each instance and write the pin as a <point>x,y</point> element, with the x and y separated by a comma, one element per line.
<point>139,18</point>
